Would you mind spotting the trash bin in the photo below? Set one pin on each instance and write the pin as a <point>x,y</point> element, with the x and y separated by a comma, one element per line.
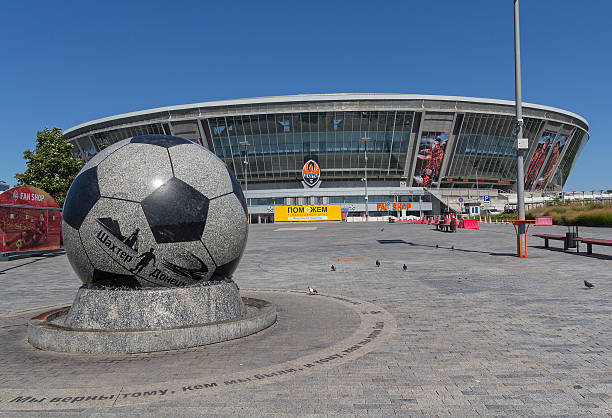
<point>570,240</point>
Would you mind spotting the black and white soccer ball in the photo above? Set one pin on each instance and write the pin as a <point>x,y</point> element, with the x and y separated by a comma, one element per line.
<point>154,211</point>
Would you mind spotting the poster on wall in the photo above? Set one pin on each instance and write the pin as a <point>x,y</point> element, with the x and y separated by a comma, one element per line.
<point>88,152</point>
<point>431,154</point>
<point>557,148</point>
<point>538,158</point>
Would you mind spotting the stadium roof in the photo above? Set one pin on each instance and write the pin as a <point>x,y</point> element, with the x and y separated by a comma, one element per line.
<point>301,98</point>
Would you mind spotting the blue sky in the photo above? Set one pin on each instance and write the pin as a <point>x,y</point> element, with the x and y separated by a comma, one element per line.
<point>65,63</point>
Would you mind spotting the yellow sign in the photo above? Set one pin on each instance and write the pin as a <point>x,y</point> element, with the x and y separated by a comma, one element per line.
<point>307,213</point>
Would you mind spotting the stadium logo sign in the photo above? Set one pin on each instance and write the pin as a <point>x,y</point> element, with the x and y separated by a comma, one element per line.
<point>311,173</point>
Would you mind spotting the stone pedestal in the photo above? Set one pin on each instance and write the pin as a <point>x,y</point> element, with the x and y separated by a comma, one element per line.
<point>107,321</point>
<point>154,308</point>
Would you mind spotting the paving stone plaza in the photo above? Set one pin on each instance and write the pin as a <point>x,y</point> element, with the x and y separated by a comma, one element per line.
<point>468,329</point>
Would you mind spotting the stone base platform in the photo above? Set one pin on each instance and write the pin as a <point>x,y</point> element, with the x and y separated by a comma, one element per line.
<point>313,336</point>
<point>111,321</point>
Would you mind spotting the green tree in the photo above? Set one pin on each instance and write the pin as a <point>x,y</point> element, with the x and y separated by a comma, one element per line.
<point>51,166</point>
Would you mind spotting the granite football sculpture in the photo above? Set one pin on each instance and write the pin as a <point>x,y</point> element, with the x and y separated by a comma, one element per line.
<point>154,211</point>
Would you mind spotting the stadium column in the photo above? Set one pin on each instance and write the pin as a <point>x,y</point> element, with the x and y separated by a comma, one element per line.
<point>365,153</point>
<point>413,147</point>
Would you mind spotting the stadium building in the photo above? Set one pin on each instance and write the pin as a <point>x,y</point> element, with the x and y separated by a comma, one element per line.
<point>420,154</point>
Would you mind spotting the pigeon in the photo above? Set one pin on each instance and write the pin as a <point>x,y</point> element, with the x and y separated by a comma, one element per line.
<point>436,245</point>
<point>333,268</point>
<point>589,285</point>
<point>377,263</point>
<point>312,291</point>
<point>405,267</point>
<point>452,247</point>
<point>382,229</point>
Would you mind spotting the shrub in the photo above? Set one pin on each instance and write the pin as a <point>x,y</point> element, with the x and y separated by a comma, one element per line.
<point>595,214</point>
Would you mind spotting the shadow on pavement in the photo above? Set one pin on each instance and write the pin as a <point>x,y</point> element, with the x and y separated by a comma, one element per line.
<point>401,241</point>
<point>37,258</point>
<point>572,252</point>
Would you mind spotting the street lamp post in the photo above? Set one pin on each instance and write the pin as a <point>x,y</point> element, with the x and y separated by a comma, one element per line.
<point>477,191</point>
<point>245,166</point>
<point>365,154</point>
<point>520,174</point>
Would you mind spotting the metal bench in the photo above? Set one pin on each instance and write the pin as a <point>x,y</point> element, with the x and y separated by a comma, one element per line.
<point>446,226</point>
<point>555,237</point>
<point>443,226</point>
<point>594,241</point>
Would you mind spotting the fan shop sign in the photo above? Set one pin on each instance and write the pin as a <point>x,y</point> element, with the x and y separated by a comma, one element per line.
<point>307,213</point>
<point>28,196</point>
<point>392,206</point>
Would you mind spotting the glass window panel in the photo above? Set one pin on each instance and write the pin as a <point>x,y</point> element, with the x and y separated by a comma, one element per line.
<point>381,198</point>
<point>571,154</point>
<point>354,199</point>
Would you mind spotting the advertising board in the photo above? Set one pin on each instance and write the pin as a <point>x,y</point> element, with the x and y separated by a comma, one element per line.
<point>307,213</point>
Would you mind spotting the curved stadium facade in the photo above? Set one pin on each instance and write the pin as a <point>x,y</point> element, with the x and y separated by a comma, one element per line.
<point>426,150</point>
